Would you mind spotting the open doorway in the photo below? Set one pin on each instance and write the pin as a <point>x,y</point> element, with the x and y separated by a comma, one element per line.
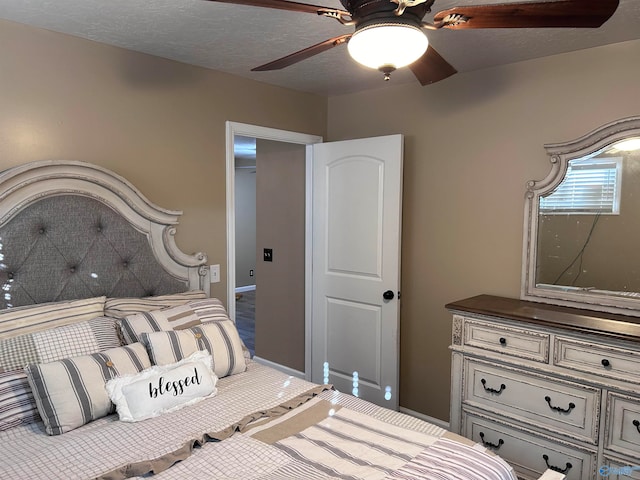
<point>275,336</point>
<point>245,225</point>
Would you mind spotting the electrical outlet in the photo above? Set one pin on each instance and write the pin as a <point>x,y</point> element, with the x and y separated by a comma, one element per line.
<point>251,273</point>
<point>214,271</point>
<point>267,255</point>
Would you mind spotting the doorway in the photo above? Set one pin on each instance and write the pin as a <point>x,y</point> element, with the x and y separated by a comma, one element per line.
<point>270,136</point>
<point>245,258</point>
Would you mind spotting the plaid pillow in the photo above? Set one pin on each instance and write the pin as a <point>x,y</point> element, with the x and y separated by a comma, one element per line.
<point>17,405</point>
<point>49,345</point>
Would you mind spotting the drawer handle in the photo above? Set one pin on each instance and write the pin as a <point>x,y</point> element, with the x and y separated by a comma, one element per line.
<point>605,363</point>
<point>503,341</point>
<point>554,468</point>
<point>636,424</point>
<point>560,409</point>
<point>492,446</point>
<point>492,390</point>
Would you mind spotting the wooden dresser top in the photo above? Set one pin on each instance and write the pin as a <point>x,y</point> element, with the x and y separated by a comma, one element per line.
<point>568,318</point>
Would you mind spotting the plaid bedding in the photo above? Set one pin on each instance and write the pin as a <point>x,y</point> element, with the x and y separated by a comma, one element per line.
<point>285,428</point>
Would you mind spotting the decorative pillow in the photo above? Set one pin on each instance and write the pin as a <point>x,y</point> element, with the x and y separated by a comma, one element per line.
<point>209,310</point>
<point>212,310</point>
<point>221,339</point>
<point>56,343</point>
<point>163,389</point>
<point>133,326</point>
<point>122,307</point>
<point>21,320</point>
<point>17,405</point>
<point>71,392</point>
<point>177,318</point>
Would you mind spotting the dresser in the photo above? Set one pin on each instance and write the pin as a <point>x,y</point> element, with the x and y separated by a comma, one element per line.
<point>547,386</point>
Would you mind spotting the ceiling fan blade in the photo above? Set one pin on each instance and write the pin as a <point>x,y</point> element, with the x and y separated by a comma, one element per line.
<point>558,13</point>
<point>303,54</point>
<point>284,5</point>
<point>431,67</point>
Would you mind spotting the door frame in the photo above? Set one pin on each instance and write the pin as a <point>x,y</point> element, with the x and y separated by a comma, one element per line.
<point>266,133</point>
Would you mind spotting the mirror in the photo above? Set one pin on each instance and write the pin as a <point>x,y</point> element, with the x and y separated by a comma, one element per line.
<point>582,223</point>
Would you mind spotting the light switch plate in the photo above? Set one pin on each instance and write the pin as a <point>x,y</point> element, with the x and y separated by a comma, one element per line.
<point>214,273</point>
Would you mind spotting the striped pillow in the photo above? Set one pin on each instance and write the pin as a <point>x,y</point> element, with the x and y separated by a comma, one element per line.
<point>122,307</point>
<point>133,326</point>
<point>220,339</point>
<point>17,405</point>
<point>71,392</point>
<point>209,310</point>
<point>21,320</point>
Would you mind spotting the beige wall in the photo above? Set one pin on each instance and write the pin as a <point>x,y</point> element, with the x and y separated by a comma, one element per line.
<point>280,226</point>
<point>471,143</point>
<point>158,123</point>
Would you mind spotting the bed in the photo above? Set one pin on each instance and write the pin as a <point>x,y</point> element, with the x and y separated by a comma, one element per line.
<point>116,363</point>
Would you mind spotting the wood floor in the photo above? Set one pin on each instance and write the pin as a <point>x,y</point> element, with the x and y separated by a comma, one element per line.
<point>246,319</point>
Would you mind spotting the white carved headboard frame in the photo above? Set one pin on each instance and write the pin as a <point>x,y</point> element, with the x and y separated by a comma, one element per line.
<point>73,230</point>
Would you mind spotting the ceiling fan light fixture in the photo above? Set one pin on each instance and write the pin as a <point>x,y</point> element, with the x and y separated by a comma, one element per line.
<point>387,45</point>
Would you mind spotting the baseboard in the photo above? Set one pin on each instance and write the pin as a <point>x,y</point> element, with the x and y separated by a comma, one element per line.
<point>246,288</point>
<point>282,368</point>
<point>426,418</point>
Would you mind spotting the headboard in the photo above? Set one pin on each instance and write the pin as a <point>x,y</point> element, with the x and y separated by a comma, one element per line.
<point>71,230</point>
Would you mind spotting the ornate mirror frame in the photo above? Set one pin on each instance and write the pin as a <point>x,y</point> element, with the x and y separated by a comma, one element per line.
<point>560,154</point>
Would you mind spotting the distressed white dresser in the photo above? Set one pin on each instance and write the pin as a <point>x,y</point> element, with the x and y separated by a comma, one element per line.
<point>547,386</point>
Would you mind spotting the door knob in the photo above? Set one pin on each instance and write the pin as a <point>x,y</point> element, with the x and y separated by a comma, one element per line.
<point>388,295</point>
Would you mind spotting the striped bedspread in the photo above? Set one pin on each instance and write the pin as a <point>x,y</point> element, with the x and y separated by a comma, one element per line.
<point>326,440</point>
<point>336,436</point>
<point>262,425</point>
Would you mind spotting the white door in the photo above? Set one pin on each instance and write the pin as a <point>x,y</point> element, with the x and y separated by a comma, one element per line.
<point>357,192</point>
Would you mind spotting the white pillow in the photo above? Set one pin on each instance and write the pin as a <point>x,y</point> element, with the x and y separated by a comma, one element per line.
<point>163,389</point>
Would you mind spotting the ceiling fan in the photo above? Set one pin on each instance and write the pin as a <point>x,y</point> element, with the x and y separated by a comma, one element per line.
<point>389,34</point>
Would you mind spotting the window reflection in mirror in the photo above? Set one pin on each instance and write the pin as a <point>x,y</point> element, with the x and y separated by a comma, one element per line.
<point>588,226</point>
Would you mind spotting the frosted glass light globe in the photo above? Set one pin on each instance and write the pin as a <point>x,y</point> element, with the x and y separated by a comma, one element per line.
<point>393,45</point>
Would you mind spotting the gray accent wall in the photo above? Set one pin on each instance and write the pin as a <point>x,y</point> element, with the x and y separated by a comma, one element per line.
<point>280,292</point>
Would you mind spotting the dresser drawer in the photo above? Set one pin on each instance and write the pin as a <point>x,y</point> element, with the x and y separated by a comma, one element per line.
<point>606,361</point>
<point>623,425</point>
<point>619,470</point>
<point>555,405</point>
<point>530,454</point>
<point>516,342</point>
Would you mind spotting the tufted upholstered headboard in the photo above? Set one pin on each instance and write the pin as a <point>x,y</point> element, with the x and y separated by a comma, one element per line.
<point>72,230</point>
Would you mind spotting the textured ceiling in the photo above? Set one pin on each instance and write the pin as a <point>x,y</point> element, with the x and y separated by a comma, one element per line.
<point>234,39</point>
